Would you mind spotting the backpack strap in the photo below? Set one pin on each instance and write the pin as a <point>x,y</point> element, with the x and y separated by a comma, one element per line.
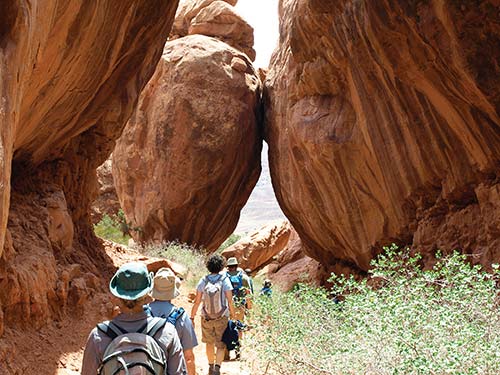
<point>153,326</point>
<point>111,329</point>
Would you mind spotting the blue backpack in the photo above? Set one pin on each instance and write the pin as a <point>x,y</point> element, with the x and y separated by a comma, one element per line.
<point>237,283</point>
<point>171,318</point>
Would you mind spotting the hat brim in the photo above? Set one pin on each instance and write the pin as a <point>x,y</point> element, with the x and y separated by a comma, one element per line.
<point>130,295</point>
<point>165,295</point>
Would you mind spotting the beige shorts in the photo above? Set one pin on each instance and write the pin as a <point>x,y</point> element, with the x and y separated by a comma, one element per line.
<point>212,330</point>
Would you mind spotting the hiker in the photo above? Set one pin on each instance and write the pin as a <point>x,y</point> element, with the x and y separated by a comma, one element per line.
<point>166,288</point>
<point>248,271</point>
<point>214,293</point>
<point>133,339</point>
<point>266,288</point>
<point>242,291</point>
<point>241,288</point>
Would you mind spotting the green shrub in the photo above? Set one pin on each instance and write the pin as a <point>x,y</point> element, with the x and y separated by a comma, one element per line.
<point>111,229</point>
<point>440,321</point>
<point>190,257</point>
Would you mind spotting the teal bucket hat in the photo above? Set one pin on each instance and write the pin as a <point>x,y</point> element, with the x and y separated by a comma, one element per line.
<point>131,281</point>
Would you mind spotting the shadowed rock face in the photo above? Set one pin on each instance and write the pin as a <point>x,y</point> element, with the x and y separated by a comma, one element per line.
<point>71,73</point>
<point>106,202</point>
<point>190,155</point>
<point>383,124</point>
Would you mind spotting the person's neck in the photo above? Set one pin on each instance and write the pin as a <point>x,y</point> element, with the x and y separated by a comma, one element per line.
<point>135,310</point>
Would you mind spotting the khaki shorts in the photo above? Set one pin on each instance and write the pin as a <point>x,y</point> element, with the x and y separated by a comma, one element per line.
<point>212,330</point>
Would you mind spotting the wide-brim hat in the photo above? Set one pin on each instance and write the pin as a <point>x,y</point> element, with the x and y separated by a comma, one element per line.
<point>232,261</point>
<point>132,281</point>
<point>166,285</point>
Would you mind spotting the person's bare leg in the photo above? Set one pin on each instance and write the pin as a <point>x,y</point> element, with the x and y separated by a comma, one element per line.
<point>210,350</point>
<point>190,364</point>
<point>220,356</point>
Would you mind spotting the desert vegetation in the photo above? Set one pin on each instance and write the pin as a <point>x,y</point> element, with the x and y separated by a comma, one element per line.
<point>403,320</point>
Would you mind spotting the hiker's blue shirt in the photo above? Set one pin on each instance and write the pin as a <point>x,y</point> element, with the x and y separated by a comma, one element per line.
<point>184,327</point>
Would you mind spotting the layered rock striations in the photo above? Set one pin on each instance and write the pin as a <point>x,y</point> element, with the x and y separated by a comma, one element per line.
<point>190,155</point>
<point>382,120</point>
<point>71,73</point>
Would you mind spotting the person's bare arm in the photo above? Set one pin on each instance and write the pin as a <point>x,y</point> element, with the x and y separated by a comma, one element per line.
<point>229,297</point>
<point>196,305</point>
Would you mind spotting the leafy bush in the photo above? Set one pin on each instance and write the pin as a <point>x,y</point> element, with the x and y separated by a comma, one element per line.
<point>403,321</point>
<point>112,229</point>
<point>190,257</point>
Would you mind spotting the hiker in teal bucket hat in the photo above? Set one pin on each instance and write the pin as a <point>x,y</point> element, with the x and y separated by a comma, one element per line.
<point>133,339</point>
<point>132,281</point>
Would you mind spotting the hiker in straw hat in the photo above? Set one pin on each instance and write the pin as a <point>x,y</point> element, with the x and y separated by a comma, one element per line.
<point>166,288</point>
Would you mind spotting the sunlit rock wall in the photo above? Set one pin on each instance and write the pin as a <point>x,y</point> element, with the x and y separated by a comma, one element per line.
<point>382,119</point>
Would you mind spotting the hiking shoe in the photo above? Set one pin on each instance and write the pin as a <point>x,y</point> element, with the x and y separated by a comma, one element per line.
<point>216,370</point>
<point>211,369</point>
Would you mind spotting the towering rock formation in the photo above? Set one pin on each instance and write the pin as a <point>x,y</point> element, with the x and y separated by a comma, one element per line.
<point>383,124</point>
<point>71,73</point>
<point>190,155</point>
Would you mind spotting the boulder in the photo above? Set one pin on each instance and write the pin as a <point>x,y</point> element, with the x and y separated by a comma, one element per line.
<point>220,21</point>
<point>256,249</point>
<point>190,155</point>
<point>291,266</point>
<point>383,126</point>
<point>187,10</point>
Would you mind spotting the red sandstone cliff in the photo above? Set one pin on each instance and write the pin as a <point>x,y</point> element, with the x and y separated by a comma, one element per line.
<point>70,76</point>
<point>382,119</point>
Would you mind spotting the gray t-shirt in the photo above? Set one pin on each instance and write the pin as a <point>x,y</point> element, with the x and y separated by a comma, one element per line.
<point>184,327</point>
<point>226,285</point>
<point>167,338</point>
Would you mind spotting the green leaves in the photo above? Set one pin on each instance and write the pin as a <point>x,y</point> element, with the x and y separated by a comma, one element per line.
<point>405,320</point>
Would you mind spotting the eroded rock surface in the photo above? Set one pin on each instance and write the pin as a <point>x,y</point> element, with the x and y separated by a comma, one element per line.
<point>190,155</point>
<point>71,75</point>
<point>383,125</point>
<point>291,266</point>
<point>221,21</point>
<point>106,202</point>
<point>215,18</point>
<point>259,247</point>
<point>187,10</point>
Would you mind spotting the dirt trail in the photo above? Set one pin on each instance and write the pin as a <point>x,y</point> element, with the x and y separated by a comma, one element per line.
<point>58,347</point>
